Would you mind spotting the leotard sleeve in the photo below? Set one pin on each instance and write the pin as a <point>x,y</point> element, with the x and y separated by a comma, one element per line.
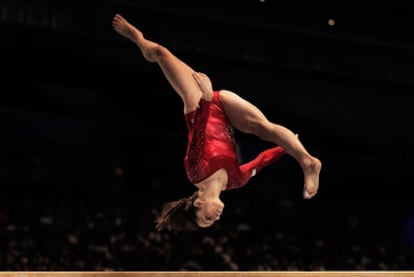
<point>250,169</point>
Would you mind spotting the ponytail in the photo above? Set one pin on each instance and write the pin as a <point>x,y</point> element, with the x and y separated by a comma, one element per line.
<point>178,215</point>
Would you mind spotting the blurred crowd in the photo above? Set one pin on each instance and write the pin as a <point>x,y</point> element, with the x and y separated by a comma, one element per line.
<point>82,231</point>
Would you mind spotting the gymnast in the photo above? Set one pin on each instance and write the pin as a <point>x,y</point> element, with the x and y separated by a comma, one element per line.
<point>211,161</point>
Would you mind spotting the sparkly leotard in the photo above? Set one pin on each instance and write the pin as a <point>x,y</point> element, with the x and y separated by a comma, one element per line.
<point>211,146</point>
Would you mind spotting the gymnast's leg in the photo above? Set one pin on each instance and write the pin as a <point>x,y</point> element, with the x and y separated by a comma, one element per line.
<point>249,119</point>
<point>178,73</point>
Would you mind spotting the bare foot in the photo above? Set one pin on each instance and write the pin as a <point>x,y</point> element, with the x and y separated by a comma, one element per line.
<point>124,28</point>
<point>311,176</point>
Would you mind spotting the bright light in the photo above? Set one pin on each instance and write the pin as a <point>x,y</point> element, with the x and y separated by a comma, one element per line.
<point>331,22</point>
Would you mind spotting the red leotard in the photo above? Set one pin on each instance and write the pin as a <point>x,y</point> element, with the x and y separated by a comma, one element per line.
<point>211,146</point>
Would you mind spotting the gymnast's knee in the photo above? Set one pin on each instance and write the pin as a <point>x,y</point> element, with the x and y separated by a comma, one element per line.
<point>156,53</point>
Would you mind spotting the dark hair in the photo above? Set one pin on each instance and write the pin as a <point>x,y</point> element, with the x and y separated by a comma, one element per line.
<point>178,215</point>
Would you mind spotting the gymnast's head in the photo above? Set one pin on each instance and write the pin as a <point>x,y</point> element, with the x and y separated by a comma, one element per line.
<point>189,213</point>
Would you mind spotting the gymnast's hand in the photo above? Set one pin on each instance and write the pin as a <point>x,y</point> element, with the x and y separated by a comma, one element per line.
<point>205,85</point>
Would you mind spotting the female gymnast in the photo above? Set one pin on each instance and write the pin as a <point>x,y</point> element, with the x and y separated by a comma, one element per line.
<point>211,161</point>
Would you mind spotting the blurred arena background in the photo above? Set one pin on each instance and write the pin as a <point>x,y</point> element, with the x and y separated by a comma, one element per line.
<point>92,137</point>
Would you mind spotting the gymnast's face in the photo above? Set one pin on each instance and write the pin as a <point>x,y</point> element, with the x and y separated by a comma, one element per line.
<point>208,212</point>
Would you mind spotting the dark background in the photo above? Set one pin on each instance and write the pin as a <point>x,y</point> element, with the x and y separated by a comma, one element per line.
<point>92,133</point>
